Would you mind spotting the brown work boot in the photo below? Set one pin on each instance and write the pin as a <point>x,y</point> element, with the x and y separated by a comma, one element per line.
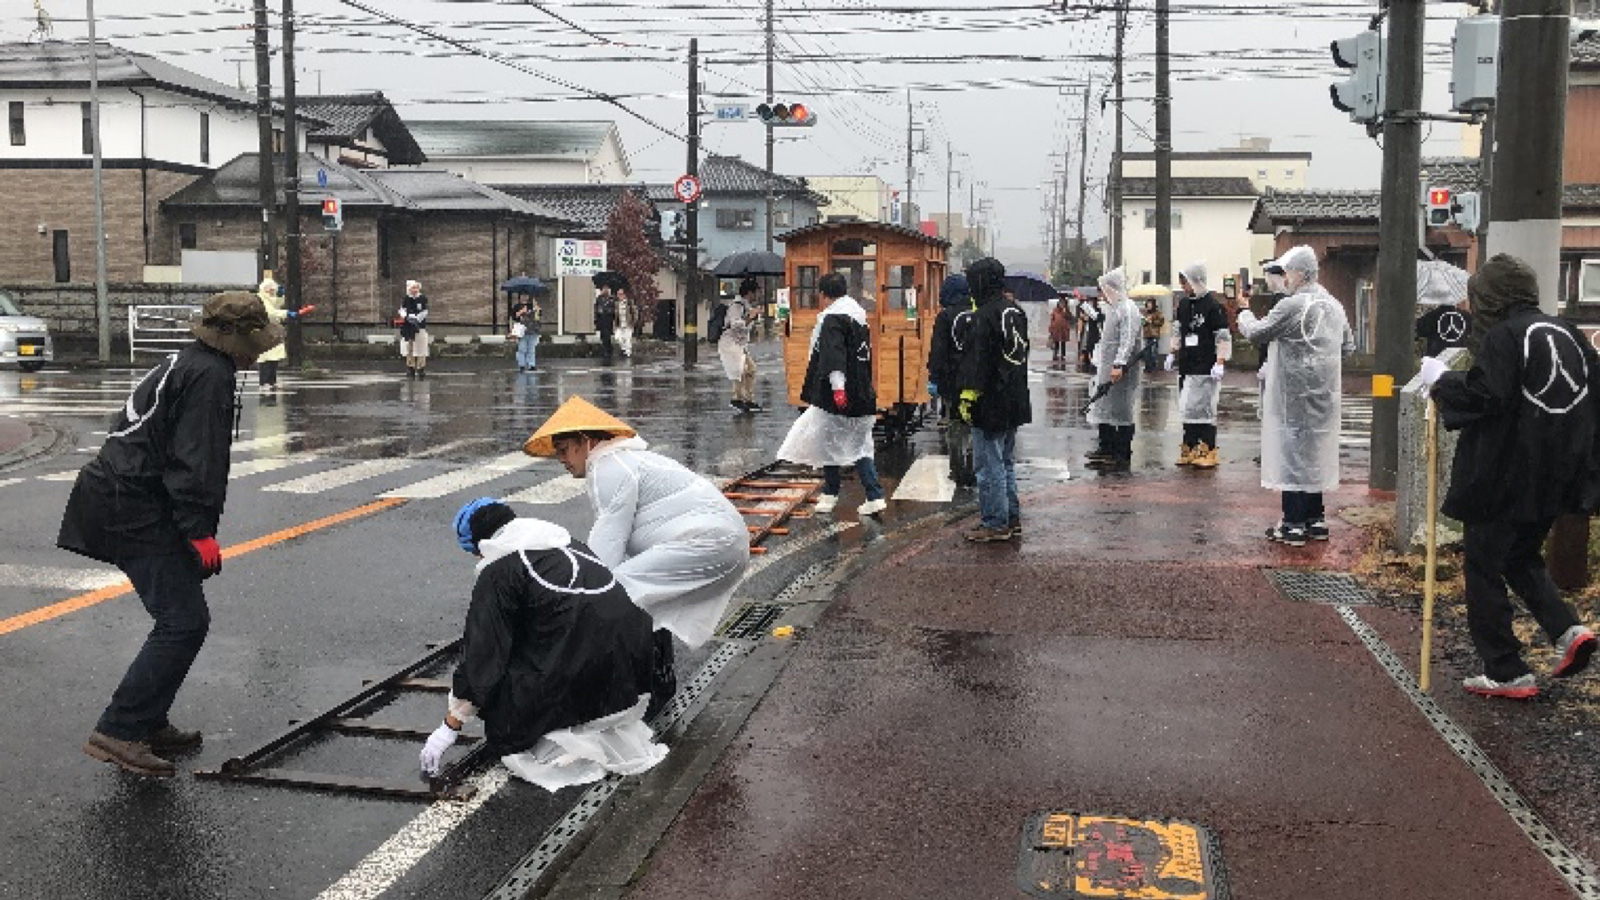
<point>1186,456</point>
<point>132,756</point>
<point>1205,457</point>
<point>171,740</point>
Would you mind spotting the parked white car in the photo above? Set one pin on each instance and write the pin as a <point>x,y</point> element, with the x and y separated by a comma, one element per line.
<point>24,340</point>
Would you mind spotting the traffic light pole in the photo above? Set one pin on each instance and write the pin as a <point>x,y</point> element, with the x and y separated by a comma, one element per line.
<point>691,253</point>
<point>291,192</point>
<point>771,141</point>
<point>1397,235</point>
<point>1163,145</point>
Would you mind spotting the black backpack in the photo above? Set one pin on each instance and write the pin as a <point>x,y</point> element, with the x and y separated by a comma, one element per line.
<point>716,323</point>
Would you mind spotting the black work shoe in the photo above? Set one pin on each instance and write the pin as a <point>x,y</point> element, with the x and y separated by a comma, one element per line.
<point>130,756</point>
<point>982,535</point>
<point>1289,535</point>
<point>1098,453</point>
<point>171,740</point>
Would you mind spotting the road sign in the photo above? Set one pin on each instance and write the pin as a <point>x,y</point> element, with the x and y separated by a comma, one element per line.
<point>322,178</point>
<point>733,112</point>
<point>580,257</point>
<point>686,188</point>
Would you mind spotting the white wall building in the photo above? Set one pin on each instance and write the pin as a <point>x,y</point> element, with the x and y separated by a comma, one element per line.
<point>1210,222</point>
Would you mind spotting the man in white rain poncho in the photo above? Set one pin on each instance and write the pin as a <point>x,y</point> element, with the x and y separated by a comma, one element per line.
<point>733,347</point>
<point>1200,346</point>
<point>836,428</point>
<point>554,658</point>
<point>1300,400</point>
<point>676,544</point>
<point>1116,376</point>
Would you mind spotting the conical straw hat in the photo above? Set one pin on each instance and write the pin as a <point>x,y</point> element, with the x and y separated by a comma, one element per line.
<point>577,414</point>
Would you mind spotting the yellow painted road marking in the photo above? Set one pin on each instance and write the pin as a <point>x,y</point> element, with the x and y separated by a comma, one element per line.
<point>113,591</point>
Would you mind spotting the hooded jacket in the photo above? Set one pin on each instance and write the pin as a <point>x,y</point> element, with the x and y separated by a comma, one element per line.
<point>841,343</point>
<point>952,332</point>
<point>1527,410</point>
<point>996,366</point>
<point>551,639</point>
<point>161,479</point>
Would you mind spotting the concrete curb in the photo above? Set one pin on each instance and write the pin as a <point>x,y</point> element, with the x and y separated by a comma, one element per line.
<point>45,439</point>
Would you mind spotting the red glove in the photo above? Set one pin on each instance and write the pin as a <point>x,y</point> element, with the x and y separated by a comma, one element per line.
<point>839,400</point>
<point>209,553</point>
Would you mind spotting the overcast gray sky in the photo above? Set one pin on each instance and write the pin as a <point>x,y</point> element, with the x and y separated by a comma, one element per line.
<point>1241,68</point>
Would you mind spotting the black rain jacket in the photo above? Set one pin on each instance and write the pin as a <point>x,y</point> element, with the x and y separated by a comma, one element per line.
<point>1203,317</point>
<point>952,335</point>
<point>161,478</point>
<point>845,346</point>
<point>996,366</point>
<point>1529,422</point>
<point>551,641</point>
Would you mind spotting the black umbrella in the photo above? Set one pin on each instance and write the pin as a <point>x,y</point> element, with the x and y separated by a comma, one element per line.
<point>749,262</point>
<point>523,284</point>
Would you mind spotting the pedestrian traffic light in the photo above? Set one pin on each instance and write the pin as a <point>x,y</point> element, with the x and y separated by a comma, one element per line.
<point>332,214</point>
<point>1439,212</point>
<point>1361,95</point>
<point>1468,209</point>
<point>782,115</point>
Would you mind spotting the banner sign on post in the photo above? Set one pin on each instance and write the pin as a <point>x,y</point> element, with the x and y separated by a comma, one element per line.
<point>580,257</point>
<point>911,304</point>
<point>782,295</point>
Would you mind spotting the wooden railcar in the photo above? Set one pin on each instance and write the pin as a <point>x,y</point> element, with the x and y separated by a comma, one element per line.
<point>895,273</point>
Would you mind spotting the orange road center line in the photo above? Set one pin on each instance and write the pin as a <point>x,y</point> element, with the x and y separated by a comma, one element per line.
<point>112,591</point>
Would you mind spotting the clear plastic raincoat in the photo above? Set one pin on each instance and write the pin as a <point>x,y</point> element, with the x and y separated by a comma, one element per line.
<point>820,437</point>
<point>1300,403</point>
<point>676,544</point>
<point>1198,397</point>
<point>735,338</point>
<point>1120,338</point>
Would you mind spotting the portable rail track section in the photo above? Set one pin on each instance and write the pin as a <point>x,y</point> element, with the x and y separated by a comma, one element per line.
<point>771,496</point>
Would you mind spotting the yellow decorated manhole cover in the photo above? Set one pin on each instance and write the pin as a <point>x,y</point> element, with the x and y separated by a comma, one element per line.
<point>1067,854</point>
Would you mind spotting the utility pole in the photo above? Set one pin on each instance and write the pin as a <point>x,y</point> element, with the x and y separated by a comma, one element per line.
<point>1531,106</point>
<point>1397,234</point>
<point>771,141</point>
<point>911,171</point>
<point>102,302</point>
<point>1163,144</point>
<point>1083,162</point>
<point>265,172</point>
<point>949,183</point>
<point>291,191</point>
<point>1061,215</point>
<point>691,211</point>
<point>1114,183</point>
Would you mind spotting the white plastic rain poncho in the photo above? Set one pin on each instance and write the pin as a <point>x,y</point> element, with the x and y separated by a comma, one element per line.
<point>820,438</point>
<point>1120,338</point>
<point>676,544</point>
<point>1199,394</point>
<point>735,338</point>
<point>1300,403</point>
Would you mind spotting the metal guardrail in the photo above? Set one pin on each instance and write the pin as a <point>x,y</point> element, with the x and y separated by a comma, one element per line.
<point>159,329</point>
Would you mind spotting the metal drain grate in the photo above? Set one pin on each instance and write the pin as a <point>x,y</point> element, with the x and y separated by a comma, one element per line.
<point>751,621</point>
<point>1320,587</point>
<point>802,581</point>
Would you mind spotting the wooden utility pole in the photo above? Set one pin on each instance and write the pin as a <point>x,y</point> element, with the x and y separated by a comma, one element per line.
<point>911,166</point>
<point>1114,183</point>
<point>691,211</point>
<point>1399,219</point>
<point>1163,144</point>
<point>771,141</point>
<point>1083,163</point>
<point>291,192</point>
<point>266,173</point>
<point>102,301</point>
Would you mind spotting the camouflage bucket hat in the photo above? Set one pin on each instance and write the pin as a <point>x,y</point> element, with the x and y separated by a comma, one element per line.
<point>236,323</point>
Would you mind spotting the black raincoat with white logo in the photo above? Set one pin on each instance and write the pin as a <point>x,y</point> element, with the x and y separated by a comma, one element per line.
<point>161,478</point>
<point>996,366</point>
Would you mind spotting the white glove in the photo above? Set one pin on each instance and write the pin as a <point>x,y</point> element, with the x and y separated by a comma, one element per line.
<point>1217,370</point>
<point>1168,363</point>
<point>1261,374</point>
<point>442,739</point>
<point>1246,317</point>
<point>1432,368</point>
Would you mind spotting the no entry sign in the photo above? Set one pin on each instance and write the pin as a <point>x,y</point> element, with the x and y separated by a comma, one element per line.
<point>686,188</point>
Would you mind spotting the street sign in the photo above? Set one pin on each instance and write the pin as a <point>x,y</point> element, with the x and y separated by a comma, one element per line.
<point>781,296</point>
<point>322,178</point>
<point>686,188</point>
<point>580,257</point>
<point>733,112</point>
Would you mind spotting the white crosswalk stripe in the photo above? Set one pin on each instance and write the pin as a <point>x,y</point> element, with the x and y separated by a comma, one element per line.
<point>559,489</point>
<point>58,578</point>
<point>7,482</point>
<point>266,464</point>
<point>265,442</point>
<point>927,481</point>
<point>340,477</point>
<point>461,479</point>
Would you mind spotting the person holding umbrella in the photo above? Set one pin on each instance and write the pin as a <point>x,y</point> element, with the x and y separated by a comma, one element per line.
<point>733,347</point>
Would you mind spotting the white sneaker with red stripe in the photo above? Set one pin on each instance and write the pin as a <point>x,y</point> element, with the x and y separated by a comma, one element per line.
<point>1576,647</point>
<point>1521,688</point>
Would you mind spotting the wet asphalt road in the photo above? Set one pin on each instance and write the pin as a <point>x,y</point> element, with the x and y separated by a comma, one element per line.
<point>297,625</point>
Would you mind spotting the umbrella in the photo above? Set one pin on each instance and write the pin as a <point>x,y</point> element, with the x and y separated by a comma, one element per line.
<point>1147,291</point>
<point>523,284</point>
<point>1440,284</point>
<point>749,262</point>
<point>1029,287</point>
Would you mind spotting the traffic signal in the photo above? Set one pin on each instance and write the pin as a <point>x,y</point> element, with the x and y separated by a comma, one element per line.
<point>1469,211</point>
<point>1474,63</point>
<point>1361,95</point>
<point>1439,211</point>
<point>782,115</point>
<point>332,214</point>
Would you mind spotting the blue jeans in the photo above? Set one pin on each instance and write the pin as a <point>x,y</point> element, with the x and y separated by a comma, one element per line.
<point>169,588</point>
<point>866,470</point>
<point>994,457</point>
<point>528,350</point>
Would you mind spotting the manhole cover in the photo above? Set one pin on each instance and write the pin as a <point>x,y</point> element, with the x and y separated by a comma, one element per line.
<point>1068,854</point>
<point>751,621</point>
<point>1320,587</point>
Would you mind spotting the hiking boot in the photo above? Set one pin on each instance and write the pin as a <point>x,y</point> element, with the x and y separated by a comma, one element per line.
<point>982,535</point>
<point>1186,456</point>
<point>1099,453</point>
<point>1205,457</point>
<point>1288,535</point>
<point>827,502</point>
<point>1520,688</point>
<point>171,740</point>
<point>131,756</point>
<point>872,507</point>
<point>1576,647</point>
<point>1318,530</point>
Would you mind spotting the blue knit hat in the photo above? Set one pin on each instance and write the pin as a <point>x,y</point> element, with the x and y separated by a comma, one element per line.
<point>464,535</point>
<point>954,291</point>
